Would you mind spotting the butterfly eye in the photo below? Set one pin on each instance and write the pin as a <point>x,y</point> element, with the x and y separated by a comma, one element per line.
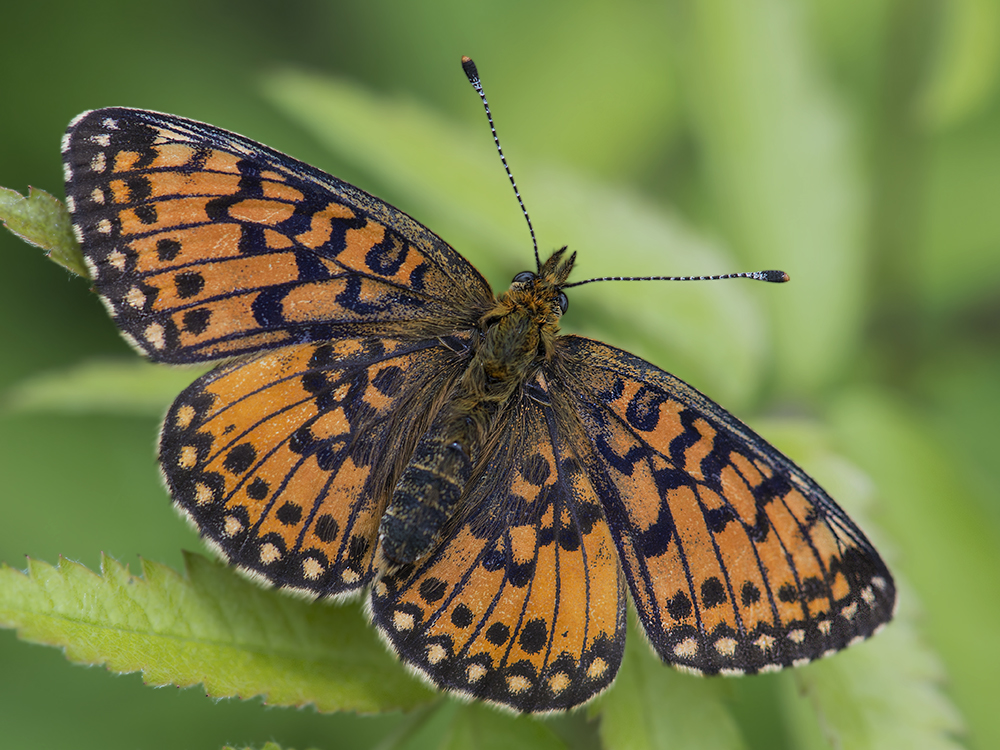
<point>563,301</point>
<point>524,276</point>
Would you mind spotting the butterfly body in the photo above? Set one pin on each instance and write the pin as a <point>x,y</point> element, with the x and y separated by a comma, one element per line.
<point>382,422</point>
<point>516,337</point>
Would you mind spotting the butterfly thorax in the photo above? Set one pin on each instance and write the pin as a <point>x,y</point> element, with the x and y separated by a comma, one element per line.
<point>517,336</point>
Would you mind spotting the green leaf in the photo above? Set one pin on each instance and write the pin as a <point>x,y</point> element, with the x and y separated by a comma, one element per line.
<point>478,727</point>
<point>946,544</point>
<point>448,176</point>
<point>653,706</point>
<point>887,692</point>
<point>102,386</point>
<point>211,627</point>
<point>44,221</point>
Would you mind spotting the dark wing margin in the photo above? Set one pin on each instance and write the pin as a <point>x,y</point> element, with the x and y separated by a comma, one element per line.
<point>523,602</point>
<point>736,560</point>
<point>285,461</point>
<point>204,244</point>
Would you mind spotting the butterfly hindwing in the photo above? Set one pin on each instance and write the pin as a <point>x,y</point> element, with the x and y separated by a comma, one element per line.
<point>204,244</point>
<point>285,461</point>
<point>737,561</point>
<point>523,603</point>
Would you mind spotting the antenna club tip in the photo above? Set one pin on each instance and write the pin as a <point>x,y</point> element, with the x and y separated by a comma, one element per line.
<point>470,68</point>
<point>776,277</point>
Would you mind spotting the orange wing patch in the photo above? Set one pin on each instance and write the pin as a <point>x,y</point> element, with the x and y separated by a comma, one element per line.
<point>523,604</point>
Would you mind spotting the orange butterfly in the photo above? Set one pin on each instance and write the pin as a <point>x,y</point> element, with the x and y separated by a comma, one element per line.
<point>383,421</point>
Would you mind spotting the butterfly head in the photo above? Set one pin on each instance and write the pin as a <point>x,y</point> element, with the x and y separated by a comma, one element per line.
<point>524,322</point>
<point>541,292</point>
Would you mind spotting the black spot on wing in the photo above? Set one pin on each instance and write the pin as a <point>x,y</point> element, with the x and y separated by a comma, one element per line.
<point>326,528</point>
<point>240,458</point>
<point>167,249</point>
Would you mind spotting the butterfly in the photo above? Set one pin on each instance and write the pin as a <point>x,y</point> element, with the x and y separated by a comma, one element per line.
<point>382,422</point>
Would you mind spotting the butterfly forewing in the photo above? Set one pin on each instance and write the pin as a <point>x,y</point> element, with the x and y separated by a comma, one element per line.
<point>523,603</point>
<point>286,461</point>
<point>736,560</point>
<point>204,244</point>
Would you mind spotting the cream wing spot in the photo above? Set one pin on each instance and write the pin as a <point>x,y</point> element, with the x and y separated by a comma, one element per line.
<point>764,642</point>
<point>154,335</point>
<point>686,648</point>
<point>312,568</point>
<point>726,646</point>
<point>475,672</point>
<point>402,620</point>
<point>188,457</point>
<point>117,259</point>
<point>231,526</point>
<point>518,684</point>
<point>135,298</point>
<point>203,494</point>
<point>269,553</point>
<point>559,682</point>
<point>350,576</point>
<point>797,636</point>
<point>436,653</point>
<point>104,226</point>
<point>185,415</point>
<point>849,611</point>
<point>597,668</point>
<point>99,162</point>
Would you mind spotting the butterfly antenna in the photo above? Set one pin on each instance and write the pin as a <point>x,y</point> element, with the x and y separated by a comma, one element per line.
<point>776,277</point>
<point>473,75</point>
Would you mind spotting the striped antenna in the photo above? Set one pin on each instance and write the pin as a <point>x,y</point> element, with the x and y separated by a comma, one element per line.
<point>776,277</point>
<point>473,75</point>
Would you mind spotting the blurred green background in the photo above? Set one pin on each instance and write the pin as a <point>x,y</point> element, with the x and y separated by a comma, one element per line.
<point>853,143</point>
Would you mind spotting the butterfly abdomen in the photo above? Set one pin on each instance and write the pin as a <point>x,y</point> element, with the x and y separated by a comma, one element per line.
<point>425,497</point>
